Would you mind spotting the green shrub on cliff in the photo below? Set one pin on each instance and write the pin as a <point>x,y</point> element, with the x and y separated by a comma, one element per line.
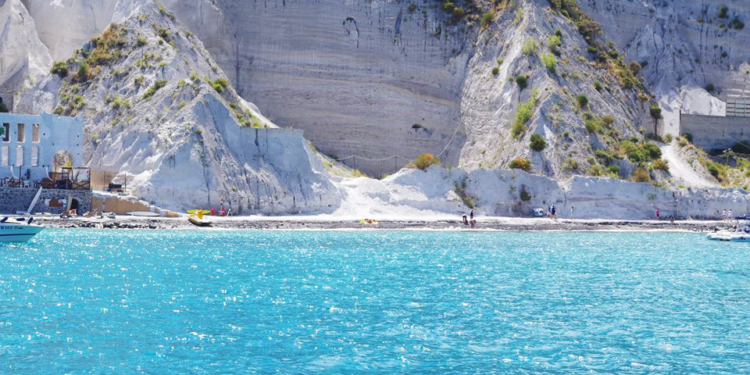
<point>523,115</point>
<point>154,88</point>
<point>220,84</point>
<point>488,18</point>
<point>60,68</point>
<point>424,161</point>
<point>537,143</point>
<point>549,61</point>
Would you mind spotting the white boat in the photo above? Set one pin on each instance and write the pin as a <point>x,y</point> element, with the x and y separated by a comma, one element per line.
<point>740,235</point>
<point>19,230</point>
<point>22,228</point>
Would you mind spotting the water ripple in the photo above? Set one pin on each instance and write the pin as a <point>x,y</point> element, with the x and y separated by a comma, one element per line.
<point>378,302</point>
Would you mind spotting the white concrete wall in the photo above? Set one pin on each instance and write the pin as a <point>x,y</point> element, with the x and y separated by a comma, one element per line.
<point>715,132</point>
<point>56,133</point>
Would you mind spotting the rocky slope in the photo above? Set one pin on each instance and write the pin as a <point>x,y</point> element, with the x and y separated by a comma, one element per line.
<point>689,45</point>
<point>160,112</point>
<point>511,55</point>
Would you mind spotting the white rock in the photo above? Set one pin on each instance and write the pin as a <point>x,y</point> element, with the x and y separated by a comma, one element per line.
<point>23,57</point>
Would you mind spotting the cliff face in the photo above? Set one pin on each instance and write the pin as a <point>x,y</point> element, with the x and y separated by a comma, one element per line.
<point>158,111</point>
<point>63,26</point>
<point>373,78</point>
<point>23,57</point>
<point>381,78</point>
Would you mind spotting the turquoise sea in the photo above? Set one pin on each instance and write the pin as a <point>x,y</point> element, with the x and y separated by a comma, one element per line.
<point>224,302</point>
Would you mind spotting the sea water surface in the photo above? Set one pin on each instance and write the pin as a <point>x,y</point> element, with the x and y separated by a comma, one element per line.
<point>209,302</point>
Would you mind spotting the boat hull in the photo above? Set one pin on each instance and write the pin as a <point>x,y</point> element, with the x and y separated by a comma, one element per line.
<point>199,222</point>
<point>729,237</point>
<point>18,232</point>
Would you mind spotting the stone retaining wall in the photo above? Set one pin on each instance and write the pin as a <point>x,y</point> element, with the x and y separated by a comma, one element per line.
<point>19,199</point>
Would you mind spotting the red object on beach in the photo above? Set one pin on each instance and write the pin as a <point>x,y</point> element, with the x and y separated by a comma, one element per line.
<point>213,211</point>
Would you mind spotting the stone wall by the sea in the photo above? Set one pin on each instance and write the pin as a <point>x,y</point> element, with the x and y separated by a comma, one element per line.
<point>14,200</point>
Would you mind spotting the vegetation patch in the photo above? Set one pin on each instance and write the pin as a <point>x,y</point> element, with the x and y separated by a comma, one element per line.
<point>570,165</point>
<point>488,17</point>
<point>521,163</point>
<point>522,82</point>
<point>154,88</point>
<point>60,68</point>
<point>524,195</point>
<point>537,143</point>
<point>554,42</point>
<point>460,190</point>
<point>220,85</point>
<point>549,61</point>
<point>530,47</point>
<point>523,115</point>
<point>641,175</point>
<point>424,161</point>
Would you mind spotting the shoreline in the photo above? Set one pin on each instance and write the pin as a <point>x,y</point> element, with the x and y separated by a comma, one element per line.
<point>437,223</point>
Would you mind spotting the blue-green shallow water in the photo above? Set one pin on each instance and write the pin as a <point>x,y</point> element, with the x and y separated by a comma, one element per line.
<point>76,301</point>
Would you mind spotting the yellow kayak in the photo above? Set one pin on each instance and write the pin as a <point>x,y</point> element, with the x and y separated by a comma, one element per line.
<point>369,222</point>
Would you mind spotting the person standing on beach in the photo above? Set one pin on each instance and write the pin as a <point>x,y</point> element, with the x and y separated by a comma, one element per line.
<point>553,212</point>
<point>729,215</point>
<point>723,215</point>
<point>471,214</point>
<point>572,211</point>
<point>658,213</point>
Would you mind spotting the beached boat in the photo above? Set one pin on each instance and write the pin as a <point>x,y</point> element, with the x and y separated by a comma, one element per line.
<point>143,214</point>
<point>18,230</point>
<point>739,235</point>
<point>199,220</point>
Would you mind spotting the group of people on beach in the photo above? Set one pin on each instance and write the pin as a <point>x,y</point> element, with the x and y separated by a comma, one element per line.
<point>470,221</point>
<point>222,211</point>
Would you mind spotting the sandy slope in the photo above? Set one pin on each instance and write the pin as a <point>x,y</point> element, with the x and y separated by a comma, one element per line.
<point>682,172</point>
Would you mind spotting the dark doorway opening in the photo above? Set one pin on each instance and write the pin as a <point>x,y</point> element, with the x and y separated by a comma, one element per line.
<point>74,205</point>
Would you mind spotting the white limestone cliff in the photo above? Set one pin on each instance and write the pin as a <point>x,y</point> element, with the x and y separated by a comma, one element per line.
<point>23,57</point>
<point>374,78</point>
<point>64,25</point>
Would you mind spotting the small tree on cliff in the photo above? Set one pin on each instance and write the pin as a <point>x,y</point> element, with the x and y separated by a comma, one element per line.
<point>656,115</point>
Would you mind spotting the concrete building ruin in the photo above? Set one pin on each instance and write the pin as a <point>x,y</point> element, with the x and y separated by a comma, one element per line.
<point>42,151</point>
<point>33,146</point>
<point>715,133</point>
